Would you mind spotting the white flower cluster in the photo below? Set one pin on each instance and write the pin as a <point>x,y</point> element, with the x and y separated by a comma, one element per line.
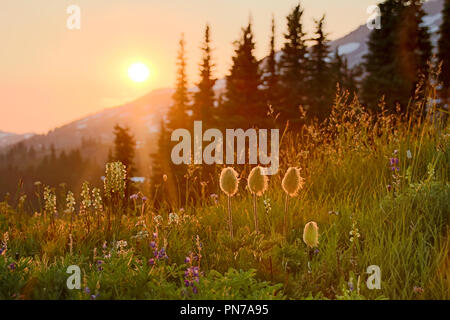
<point>70,202</point>
<point>115,177</point>
<point>50,200</point>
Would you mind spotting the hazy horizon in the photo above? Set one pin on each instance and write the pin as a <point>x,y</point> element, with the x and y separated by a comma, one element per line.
<point>51,75</point>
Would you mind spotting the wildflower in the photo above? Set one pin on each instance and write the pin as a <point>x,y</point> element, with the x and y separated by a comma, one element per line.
<point>12,266</point>
<point>187,260</point>
<point>134,197</point>
<point>214,197</point>
<point>95,296</point>
<point>409,154</point>
<point>144,198</point>
<point>350,286</point>
<point>153,244</point>
<point>292,181</point>
<point>257,182</point>
<point>151,261</point>
<point>229,183</point>
<point>115,177</point>
<point>311,234</point>
<point>87,290</point>
<point>50,201</point>
<point>70,202</point>
<point>418,290</point>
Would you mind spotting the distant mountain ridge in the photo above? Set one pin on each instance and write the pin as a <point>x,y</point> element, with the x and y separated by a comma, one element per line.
<point>144,114</point>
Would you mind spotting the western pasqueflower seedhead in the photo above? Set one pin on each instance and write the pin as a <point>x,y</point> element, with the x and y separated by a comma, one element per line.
<point>229,181</point>
<point>257,182</point>
<point>292,181</point>
<point>311,234</point>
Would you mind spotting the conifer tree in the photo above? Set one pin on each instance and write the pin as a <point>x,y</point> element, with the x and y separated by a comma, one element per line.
<point>177,115</point>
<point>444,53</point>
<point>124,151</point>
<point>398,54</point>
<point>321,91</point>
<point>203,106</point>
<point>243,105</point>
<point>272,79</point>
<point>293,67</point>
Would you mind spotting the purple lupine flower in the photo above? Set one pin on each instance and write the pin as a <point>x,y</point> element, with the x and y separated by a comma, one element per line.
<point>151,261</point>
<point>87,290</point>
<point>12,266</point>
<point>134,197</point>
<point>195,290</point>
<point>389,187</point>
<point>187,260</point>
<point>316,251</point>
<point>94,296</point>
<point>155,235</point>
<point>350,285</point>
<point>187,283</point>
<point>144,198</point>
<point>152,244</point>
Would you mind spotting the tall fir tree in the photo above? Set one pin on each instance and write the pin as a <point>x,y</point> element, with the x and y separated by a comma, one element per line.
<point>178,112</point>
<point>320,86</point>
<point>444,54</point>
<point>271,79</point>
<point>124,151</point>
<point>243,106</point>
<point>398,54</point>
<point>293,67</point>
<point>204,98</point>
<point>178,118</point>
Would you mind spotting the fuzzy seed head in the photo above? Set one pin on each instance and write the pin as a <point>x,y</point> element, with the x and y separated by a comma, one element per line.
<point>257,182</point>
<point>292,181</point>
<point>311,234</point>
<point>229,181</point>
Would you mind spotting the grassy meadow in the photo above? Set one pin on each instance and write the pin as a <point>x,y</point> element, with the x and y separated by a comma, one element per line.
<point>377,185</point>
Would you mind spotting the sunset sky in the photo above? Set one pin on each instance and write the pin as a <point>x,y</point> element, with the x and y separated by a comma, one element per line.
<point>50,75</point>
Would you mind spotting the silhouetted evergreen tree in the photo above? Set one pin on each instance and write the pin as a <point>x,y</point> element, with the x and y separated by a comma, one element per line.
<point>398,53</point>
<point>124,151</point>
<point>444,53</point>
<point>177,116</point>
<point>320,86</point>
<point>293,67</point>
<point>203,106</point>
<point>243,105</point>
<point>271,77</point>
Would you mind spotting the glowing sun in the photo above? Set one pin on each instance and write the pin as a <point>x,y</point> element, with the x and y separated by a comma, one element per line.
<point>138,72</point>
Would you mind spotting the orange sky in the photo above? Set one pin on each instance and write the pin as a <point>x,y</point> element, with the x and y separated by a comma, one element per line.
<point>50,75</point>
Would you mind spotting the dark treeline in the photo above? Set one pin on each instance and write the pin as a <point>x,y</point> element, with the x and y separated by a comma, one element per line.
<point>302,76</point>
<point>25,170</point>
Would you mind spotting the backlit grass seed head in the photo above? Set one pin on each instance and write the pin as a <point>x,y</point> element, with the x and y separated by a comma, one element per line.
<point>292,181</point>
<point>229,181</point>
<point>311,234</point>
<point>257,183</point>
